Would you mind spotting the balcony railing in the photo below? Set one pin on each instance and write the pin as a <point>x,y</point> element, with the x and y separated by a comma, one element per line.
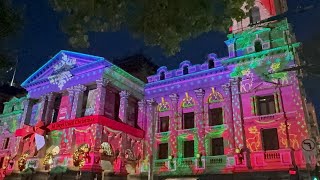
<point>159,163</point>
<point>216,160</point>
<point>186,162</point>
<point>272,156</point>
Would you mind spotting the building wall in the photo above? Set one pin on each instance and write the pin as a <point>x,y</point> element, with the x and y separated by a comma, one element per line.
<point>235,84</point>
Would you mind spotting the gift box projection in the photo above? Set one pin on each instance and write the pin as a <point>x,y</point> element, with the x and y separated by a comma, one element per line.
<point>229,115</point>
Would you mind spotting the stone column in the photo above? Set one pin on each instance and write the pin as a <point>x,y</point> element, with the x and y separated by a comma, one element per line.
<point>142,115</point>
<point>27,108</point>
<point>42,110</point>
<point>123,109</point>
<point>173,125</point>
<point>228,117</point>
<point>70,103</point>
<point>199,118</point>
<point>48,117</point>
<point>101,96</point>
<point>151,147</point>
<point>77,101</point>
<point>237,113</point>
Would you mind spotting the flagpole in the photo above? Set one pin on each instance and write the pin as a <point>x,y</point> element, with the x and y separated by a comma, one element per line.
<point>14,73</point>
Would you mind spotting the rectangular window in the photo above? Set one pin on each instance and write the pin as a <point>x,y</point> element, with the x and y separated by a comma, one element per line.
<point>266,105</point>
<point>217,147</point>
<point>188,120</point>
<point>188,149</point>
<point>163,151</point>
<point>164,124</point>
<point>6,143</point>
<point>215,117</point>
<point>270,139</point>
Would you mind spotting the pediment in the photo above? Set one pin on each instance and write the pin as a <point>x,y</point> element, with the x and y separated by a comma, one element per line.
<point>263,86</point>
<point>63,66</point>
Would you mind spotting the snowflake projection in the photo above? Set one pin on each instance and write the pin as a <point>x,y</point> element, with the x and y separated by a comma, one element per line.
<point>106,149</point>
<point>187,101</point>
<point>62,74</point>
<point>215,96</point>
<point>163,106</point>
<point>129,155</point>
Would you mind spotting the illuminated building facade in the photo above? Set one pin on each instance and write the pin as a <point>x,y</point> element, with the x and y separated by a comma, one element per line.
<point>223,118</point>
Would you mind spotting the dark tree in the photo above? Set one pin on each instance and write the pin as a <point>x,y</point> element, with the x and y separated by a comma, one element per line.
<point>164,23</point>
<point>10,23</point>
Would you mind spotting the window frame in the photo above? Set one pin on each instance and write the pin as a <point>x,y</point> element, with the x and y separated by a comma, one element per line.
<point>159,152</point>
<point>184,119</point>
<point>188,145</point>
<point>268,139</point>
<point>267,103</point>
<point>160,123</point>
<point>211,116</point>
<point>213,150</point>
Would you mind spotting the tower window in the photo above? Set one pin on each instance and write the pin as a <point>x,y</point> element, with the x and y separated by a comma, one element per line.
<point>185,70</point>
<point>162,76</point>
<point>254,15</point>
<point>211,64</point>
<point>257,46</point>
<point>266,105</point>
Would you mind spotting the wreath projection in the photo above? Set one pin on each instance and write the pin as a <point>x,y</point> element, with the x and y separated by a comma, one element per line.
<point>81,155</point>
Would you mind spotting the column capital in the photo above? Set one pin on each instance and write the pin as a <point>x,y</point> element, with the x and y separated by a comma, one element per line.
<point>174,97</point>
<point>50,96</point>
<point>141,103</point>
<point>199,93</point>
<point>226,87</point>
<point>151,102</point>
<point>124,94</point>
<point>234,81</point>
<point>79,88</point>
<point>102,82</point>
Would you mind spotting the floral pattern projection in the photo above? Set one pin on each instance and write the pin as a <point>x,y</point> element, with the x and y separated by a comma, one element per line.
<point>9,122</point>
<point>201,135</point>
<point>236,84</point>
<point>61,128</point>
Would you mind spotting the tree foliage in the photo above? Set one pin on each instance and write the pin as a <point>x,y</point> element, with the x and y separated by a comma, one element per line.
<point>164,23</point>
<point>10,22</point>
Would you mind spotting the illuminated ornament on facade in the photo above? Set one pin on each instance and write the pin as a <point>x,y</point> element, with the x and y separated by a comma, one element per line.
<point>163,106</point>
<point>81,155</point>
<point>187,101</point>
<point>129,155</point>
<point>62,74</point>
<point>215,96</point>
<point>106,149</point>
<point>48,159</point>
<point>22,161</point>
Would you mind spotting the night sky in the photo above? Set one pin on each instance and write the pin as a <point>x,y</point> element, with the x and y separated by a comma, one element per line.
<point>41,38</point>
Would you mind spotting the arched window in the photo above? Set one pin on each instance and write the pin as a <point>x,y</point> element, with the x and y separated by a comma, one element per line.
<point>254,15</point>
<point>162,76</point>
<point>257,46</point>
<point>211,64</point>
<point>185,70</point>
<point>12,108</point>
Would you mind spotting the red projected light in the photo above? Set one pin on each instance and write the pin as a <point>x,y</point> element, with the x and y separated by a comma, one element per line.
<point>292,172</point>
